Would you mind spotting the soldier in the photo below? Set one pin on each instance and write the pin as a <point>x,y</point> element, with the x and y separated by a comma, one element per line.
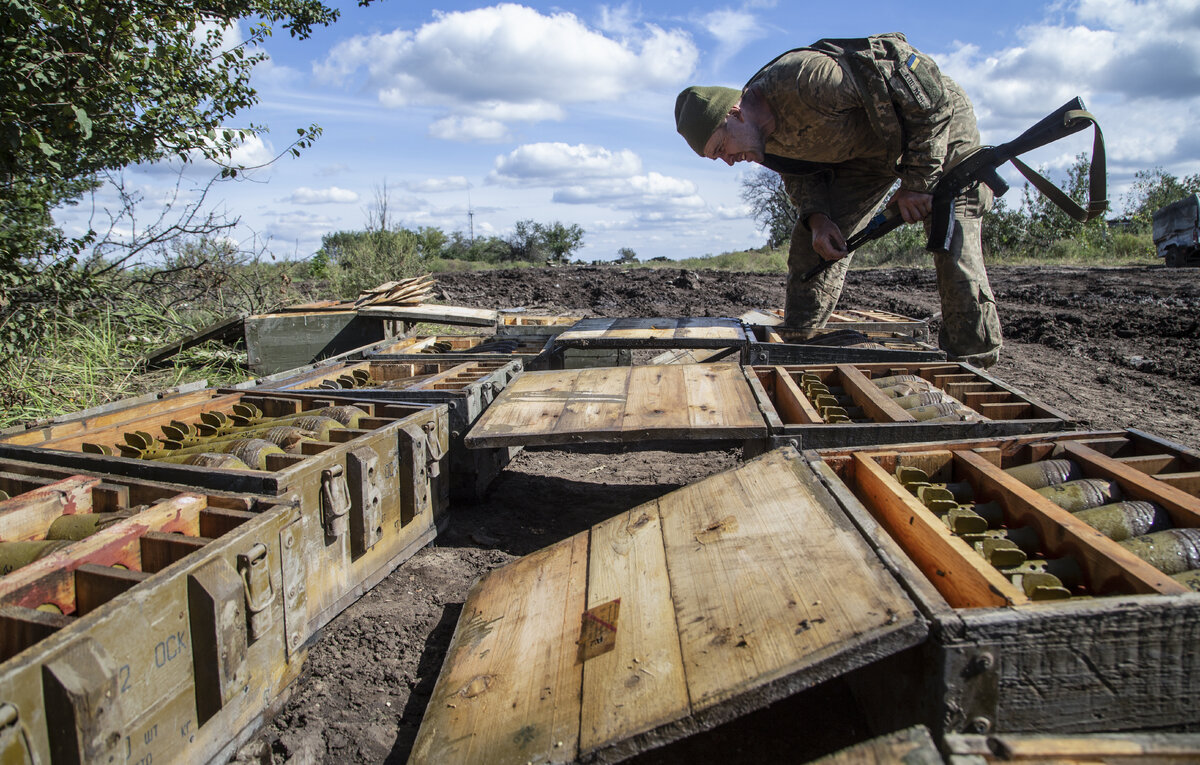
<point>842,121</point>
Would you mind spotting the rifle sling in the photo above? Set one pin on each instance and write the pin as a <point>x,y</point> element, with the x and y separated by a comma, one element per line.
<point>1097,195</point>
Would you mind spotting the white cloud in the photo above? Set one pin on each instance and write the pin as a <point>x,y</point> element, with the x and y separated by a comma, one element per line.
<point>638,192</point>
<point>1135,63</point>
<point>469,129</point>
<point>437,185</point>
<point>548,164</point>
<point>332,195</point>
<point>509,63</point>
<point>733,30</point>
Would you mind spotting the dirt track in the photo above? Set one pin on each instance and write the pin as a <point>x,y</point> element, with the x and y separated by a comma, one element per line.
<point>1112,348</point>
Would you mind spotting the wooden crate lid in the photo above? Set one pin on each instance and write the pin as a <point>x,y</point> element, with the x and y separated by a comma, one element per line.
<point>617,404</point>
<point>437,314</point>
<point>653,333</point>
<point>734,592</point>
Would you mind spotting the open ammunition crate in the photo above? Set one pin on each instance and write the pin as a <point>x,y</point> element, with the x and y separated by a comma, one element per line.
<point>531,350</point>
<point>1118,653</point>
<point>369,496</point>
<point>875,417</point>
<point>777,345</point>
<point>161,636</point>
<point>466,388</point>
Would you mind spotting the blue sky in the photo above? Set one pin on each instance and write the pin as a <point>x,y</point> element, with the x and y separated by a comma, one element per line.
<point>564,112</point>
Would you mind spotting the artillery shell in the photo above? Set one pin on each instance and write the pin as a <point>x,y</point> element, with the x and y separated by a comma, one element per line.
<point>252,451</point>
<point>1121,520</point>
<point>1065,569</point>
<point>1043,473</point>
<point>211,460</point>
<point>907,388</point>
<point>930,412</point>
<point>1189,579</point>
<point>1082,493</point>
<point>890,380</point>
<point>3,495</point>
<point>80,525</point>
<point>1172,551</point>
<point>14,555</point>
<point>923,399</point>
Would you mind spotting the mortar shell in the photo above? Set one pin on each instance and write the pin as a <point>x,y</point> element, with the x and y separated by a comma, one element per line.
<point>1082,493</point>
<point>1172,551</point>
<point>80,525</point>
<point>14,555</point>
<point>1122,520</point>
<point>1065,569</point>
<point>1024,537</point>
<point>1000,552</point>
<point>3,495</point>
<point>963,520</point>
<point>1043,473</point>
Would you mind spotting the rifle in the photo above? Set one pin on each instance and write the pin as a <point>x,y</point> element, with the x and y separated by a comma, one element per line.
<point>980,166</point>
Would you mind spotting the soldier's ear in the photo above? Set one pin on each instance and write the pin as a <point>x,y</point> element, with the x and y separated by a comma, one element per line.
<point>735,111</point>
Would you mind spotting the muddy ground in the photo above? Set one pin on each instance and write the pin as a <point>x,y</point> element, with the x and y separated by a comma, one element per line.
<point>1111,348</point>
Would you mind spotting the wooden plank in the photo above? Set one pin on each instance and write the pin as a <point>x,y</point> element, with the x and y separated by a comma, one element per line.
<point>642,332</point>
<point>96,585</point>
<point>22,627</point>
<point>791,401</point>
<point>1108,748</point>
<point>877,404</point>
<point>1188,482</point>
<point>771,589</point>
<point>1004,411</point>
<point>27,516</point>
<point>435,314</point>
<point>911,746</point>
<point>963,578</point>
<point>509,690</point>
<point>1152,464</point>
<point>706,401</point>
<point>1107,566</point>
<point>1183,508</point>
<point>161,550</point>
<point>640,684</point>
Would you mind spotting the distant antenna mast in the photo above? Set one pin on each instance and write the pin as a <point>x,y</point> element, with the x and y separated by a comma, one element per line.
<point>471,217</point>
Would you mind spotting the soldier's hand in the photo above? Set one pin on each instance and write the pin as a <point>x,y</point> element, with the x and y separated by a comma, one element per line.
<point>827,238</point>
<point>913,205</point>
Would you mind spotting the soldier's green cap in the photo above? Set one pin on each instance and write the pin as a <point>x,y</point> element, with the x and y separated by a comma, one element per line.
<point>700,110</point>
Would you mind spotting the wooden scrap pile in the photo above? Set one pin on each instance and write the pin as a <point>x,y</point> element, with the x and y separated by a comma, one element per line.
<point>412,291</point>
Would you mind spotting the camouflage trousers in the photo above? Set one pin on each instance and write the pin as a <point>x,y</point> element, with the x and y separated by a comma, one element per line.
<point>970,329</point>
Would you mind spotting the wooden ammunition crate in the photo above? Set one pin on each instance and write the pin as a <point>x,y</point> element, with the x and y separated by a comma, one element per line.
<point>1118,655</point>
<point>467,389</point>
<point>774,345</point>
<point>370,497</point>
<point>533,351</point>
<point>1093,749</point>
<point>792,417</point>
<point>861,320</point>
<point>162,637</point>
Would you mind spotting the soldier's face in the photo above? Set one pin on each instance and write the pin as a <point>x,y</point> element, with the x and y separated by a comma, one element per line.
<point>736,140</point>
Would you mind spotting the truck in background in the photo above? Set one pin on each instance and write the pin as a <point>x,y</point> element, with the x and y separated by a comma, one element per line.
<point>1177,232</point>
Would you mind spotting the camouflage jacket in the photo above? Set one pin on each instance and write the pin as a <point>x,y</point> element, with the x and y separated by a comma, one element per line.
<point>874,98</point>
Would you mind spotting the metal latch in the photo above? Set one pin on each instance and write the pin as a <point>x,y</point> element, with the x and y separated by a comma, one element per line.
<point>256,580</point>
<point>488,391</point>
<point>335,501</point>
<point>434,452</point>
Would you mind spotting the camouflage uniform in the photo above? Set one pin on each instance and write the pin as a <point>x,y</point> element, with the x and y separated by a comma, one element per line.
<point>869,112</point>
